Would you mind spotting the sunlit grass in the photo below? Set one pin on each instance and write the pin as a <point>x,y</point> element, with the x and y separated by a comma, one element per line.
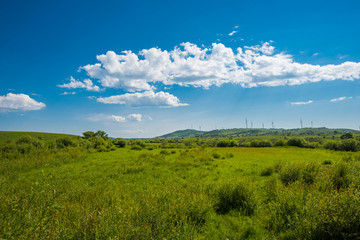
<point>198,193</point>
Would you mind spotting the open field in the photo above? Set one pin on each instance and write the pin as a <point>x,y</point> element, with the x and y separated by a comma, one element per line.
<point>6,135</point>
<point>180,193</point>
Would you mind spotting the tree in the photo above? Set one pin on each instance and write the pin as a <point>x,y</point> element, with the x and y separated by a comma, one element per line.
<point>101,134</point>
<point>88,134</point>
<point>347,136</point>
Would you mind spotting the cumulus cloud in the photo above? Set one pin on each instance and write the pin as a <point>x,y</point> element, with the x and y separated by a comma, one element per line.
<point>339,99</point>
<point>301,103</point>
<point>191,65</point>
<point>232,33</point>
<point>135,117</point>
<point>147,98</point>
<point>19,102</point>
<point>118,118</point>
<point>86,84</point>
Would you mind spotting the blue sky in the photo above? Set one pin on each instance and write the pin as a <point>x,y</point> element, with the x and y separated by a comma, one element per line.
<point>146,68</point>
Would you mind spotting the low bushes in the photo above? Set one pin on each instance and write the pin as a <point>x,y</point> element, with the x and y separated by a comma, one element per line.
<point>235,196</point>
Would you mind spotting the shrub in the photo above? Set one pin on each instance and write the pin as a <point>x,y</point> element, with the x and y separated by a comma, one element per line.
<point>313,145</point>
<point>332,145</point>
<point>164,152</point>
<point>235,196</point>
<point>136,147</point>
<point>334,216</point>
<point>327,162</point>
<point>216,155</point>
<point>309,173</point>
<point>30,140</point>
<point>290,174</point>
<point>65,142</point>
<point>260,143</point>
<point>340,178</point>
<point>280,143</point>
<point>139,143</point>
<point>347,136</point>
<point>267,171</point>
<point>297,142</point>
<point>119,142</point>
<point>350,145</point>
<point>233,143</point>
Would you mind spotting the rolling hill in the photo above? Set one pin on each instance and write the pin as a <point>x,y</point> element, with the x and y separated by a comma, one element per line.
<point>245,132</point>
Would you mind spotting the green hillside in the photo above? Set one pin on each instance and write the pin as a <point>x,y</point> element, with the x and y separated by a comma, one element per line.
<point>7,135</point>
<point>245,132</point>
<point>188,133</point>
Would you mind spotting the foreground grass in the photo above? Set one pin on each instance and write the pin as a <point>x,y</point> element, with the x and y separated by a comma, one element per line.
<point>211,193</point>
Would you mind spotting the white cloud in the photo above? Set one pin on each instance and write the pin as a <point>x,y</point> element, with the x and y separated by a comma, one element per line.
<point>339,99</point>
<point>191,65</point>
<point>118,118</point>
<point>301,103</point>
<point>68,93</point>
<point>315,54</point>
<point>147,98</point>
<point>19,102</point>
<point>87,84</point>
<point>135,117</point>
<point>232,33</point>
<point>236,27</point>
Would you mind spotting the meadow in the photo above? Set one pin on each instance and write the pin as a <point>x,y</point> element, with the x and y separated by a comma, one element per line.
<point>76,188</point>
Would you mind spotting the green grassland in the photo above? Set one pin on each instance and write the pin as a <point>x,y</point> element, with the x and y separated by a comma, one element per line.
<point>6,135</point>
<point>146,191</point>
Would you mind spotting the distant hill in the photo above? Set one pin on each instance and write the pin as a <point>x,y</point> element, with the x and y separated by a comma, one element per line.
<point>245,132</point>
<point>7,135</point>
<point>188,133</point>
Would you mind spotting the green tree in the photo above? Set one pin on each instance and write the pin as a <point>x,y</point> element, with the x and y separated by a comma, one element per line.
<point>347,136</point>
<point>101,134</point>
<point>88,134</point>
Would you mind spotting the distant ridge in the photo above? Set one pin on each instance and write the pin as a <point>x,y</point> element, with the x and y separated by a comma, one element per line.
<point>244,132</point>
<point>187,133</point>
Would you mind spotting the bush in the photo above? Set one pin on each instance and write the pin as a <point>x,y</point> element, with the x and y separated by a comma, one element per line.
<point>136,147</point>
<point>65,142</point>
<point>290,174</point>
<point>334,216</point>
<point>347,136</point>
<point>237,197</point>
<point>119,142</point>
<point>327,162</point>
<point>260,143</point>
<point>224,143</point>
<point>280,143</point>
<point>340,177</point>
<point>297,142</point>
<point>216,155</point>
<point>139,143</point>
<point>350,145</point>
<point>267,171</point>
<point>30,140</point>
<point>309,173</point>
<point>313,145</point>
<point>332,145</point>
<point>164,152</point>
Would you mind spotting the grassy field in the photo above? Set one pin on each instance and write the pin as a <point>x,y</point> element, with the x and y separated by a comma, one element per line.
<point>187,193</point>
<point>6,135</point>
